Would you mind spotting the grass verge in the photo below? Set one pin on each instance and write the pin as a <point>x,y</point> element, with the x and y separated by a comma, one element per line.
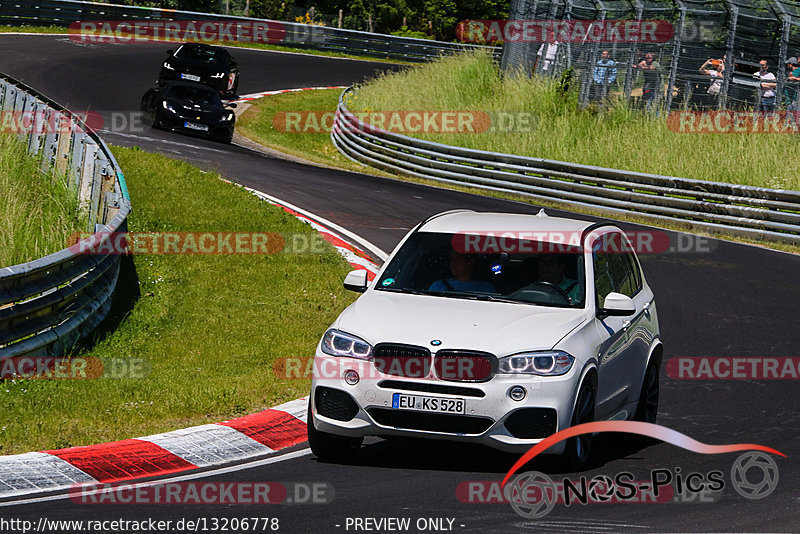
<point>620,138</point>
<point>257,124</point>
<point>208,327</point>
<point>38,211</point>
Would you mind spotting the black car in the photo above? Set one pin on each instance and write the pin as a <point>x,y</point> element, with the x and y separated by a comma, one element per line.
<point>210,65</point>
<point>190,108</point>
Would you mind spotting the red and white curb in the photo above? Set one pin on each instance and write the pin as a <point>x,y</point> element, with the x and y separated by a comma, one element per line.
<point>253,435</point>
<point>254,96</point>
<point>196,447</point>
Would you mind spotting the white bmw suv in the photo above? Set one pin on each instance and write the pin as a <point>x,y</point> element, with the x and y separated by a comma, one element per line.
<point>493,328</point>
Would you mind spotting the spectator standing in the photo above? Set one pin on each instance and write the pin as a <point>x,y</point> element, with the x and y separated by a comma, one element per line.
<point>792,79</point>
<point>605,73</point>
<point>767,100</point>
<point>716,70</point>
<point>651,70</point>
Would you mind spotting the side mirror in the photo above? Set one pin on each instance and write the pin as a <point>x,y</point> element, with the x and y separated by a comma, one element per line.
<point>232,105</point>
<point>356,281</point>
<point>617,305</point>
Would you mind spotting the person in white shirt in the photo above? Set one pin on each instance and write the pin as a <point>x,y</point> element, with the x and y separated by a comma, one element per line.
<point>767,101</point>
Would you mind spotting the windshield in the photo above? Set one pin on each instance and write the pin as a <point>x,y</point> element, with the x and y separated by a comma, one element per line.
<point>521,271</point>
<point>204,54</point>
<point>197,95</point>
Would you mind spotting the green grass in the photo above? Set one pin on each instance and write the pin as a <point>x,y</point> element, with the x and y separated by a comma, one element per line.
<point>620,138</point>
<point>257,124</point>
<point>38,211</point>
<point>208,326</point>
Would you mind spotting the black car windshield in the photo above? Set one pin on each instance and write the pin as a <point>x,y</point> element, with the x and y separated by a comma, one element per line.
<point>197,95</point>
<point>202,53</point>
<point>514,270</point>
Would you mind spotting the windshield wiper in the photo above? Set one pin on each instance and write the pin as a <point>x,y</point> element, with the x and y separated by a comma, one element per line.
<point>407,290</point>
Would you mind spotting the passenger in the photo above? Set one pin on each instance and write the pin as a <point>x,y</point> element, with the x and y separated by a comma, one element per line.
<point>462,267</point>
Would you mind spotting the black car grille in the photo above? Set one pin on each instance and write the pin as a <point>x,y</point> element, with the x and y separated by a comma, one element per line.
<point>430,422</point>
<point>335,404</point>
<point>408,361</point>
<point>465,365</point>
<point>428,387</point>
<point>532,423</point>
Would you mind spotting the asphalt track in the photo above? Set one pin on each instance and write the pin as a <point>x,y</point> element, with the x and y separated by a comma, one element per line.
<point>733,301</point>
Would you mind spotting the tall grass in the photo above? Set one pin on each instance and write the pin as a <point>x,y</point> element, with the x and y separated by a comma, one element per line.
<point>38,211</point>
<point>618,137</point>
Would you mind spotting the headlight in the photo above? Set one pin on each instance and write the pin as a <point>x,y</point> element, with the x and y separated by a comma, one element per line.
<point>168,66</point>
<point>229,116</point>
<point>168,107</point>
<point>218,75</point>
<point>544,363</point>
<point>338,343</point>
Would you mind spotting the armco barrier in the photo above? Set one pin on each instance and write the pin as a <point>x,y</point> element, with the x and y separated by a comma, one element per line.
<point>64,12</point>
<point>48,304</point>
<point>738,210</point>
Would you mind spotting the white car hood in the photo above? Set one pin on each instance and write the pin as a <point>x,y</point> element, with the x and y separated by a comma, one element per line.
<point>496,327</point>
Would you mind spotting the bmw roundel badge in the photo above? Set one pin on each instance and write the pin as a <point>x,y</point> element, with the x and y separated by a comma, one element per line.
<point>436,342</point>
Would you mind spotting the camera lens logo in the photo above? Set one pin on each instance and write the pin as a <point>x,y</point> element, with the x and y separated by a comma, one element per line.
<point>532,494</point>
<point>601,488</point>
<point>754,475</point>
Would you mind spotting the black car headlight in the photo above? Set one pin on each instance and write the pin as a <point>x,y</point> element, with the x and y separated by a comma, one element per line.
<point>218,75</point>
<point>338,343</point>
<point>168,107</point>
<point>168,66</point>
<point>543,363</point>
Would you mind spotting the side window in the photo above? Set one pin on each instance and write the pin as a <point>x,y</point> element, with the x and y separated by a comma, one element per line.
<point>621,271</point>
<point>603,281</point>
<point>637,274</point>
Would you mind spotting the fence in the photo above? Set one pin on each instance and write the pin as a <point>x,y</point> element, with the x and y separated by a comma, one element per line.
<point>752,212</point>
<point>303,36</point>
<point>46,305</point>
<point>741,32</point>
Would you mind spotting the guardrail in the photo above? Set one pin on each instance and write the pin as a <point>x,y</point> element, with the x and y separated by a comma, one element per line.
<point>64,12</point>
<point>47,304</point>
<point>738,210</point>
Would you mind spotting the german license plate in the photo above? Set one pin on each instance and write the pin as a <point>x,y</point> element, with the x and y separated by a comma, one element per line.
<point>190,77</point>
<point>402,401</point>
<point>193,126</point>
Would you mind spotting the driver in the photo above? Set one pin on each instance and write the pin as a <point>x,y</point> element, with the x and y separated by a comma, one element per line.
<point>462,267</point>
<point>551,270</point>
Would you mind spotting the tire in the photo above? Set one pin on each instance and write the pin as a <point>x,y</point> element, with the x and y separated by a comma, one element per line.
<point>329,447</point>
<point>647,409</point>
<point>578,449</point>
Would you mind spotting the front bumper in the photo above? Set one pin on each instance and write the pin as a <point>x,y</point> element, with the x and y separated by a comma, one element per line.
<point>176,123</point>
<point>488,407</point>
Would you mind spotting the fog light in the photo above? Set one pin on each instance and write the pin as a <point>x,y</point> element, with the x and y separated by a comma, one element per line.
<point>351,377</point>
<point>517,393</point>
